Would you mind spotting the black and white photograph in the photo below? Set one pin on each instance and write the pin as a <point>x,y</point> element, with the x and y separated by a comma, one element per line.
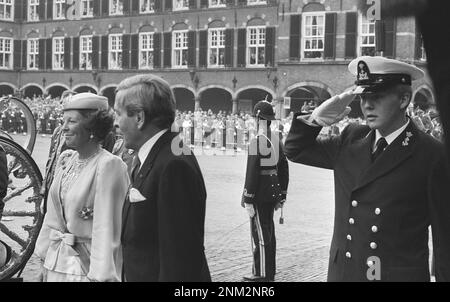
<point>246,143</point>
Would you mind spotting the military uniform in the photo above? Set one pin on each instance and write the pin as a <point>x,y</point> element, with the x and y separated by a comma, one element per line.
<point>383,206</point>
<point>266,184</point>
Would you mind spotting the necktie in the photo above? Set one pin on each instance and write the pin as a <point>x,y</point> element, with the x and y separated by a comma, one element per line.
<point>381,145</point>
<point>136,168</point>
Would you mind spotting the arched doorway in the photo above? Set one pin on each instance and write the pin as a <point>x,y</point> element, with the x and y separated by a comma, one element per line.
<point>6,90</point>
<point>56,91</point>
<point>81,89</point>
<point>423,99</point>
<point>32,91</point>
<point>248,98</point>
<point>216,99</point>
<point>110,93</point>
<point>308,96</point>
<point>184,98</point>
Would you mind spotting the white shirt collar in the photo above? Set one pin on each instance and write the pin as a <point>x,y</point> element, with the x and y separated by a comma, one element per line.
<point>144,151</point>
<point>391,137</point>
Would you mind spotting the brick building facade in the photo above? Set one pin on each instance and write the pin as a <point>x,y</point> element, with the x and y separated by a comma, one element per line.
<point>218,54</point>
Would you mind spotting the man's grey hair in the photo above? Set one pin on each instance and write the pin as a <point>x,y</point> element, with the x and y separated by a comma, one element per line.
<point>151,94</point>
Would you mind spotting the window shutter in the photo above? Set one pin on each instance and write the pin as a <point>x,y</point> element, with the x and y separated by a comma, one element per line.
<point>49,51</point>
<point>192,4</point>
<point>158,5</point>
<point>168,5</point>
<point>125,51</point>
<point>18,13</point>
<point>157,50</point>
<point>41,63</point>
<point>50,9</point>
<point>67,51</point>
<point>134,51</point>
<point>41,11</point>
<point>242,47</point>
<point>24,10</point>
<point>76,53</point>
<point>192,51</point>
<point>351,34</point>
<point>17,53</point>
<point>96,8</point>
<point>24,54</point>
<point>418,43</point>
<point>295,34</point>
<point>380,36</point>
<point>389,27</point>
<point>168,49</point>
<point>270,46</point>
<point>204,3</point>
<point>95,51</point>
<point>229,47</point>
<point>126,7</point>
<point>105,46</point>
<point>203,46</point>
<point>330,36</point>
<point>135,7</point>
<point>105,7</point>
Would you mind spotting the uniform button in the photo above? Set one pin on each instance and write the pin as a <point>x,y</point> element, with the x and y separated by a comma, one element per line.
<point>273,195</point>
<point>374,229</point>
<point>348,255</point>
<point>377,211</point>
<point>354,203</point>
<point>272,186</point>
<point>349,237</point>
<point>370,263</point>
<point>373,245</point>
<point>351,221</point>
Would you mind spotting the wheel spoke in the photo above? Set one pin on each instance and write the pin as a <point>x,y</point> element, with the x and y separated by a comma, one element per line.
<point>18,191</point>
<point>19,213</point>
<point>13,236</point>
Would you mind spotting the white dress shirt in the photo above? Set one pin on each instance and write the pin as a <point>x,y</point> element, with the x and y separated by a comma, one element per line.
<point>144,151</point>
<point>389,138</point>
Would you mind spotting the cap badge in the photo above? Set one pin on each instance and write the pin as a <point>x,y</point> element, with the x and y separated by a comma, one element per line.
<point>363,71</point>
<point>406,140</point>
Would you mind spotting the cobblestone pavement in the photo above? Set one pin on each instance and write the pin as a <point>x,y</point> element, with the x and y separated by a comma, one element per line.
<point>302,241</point>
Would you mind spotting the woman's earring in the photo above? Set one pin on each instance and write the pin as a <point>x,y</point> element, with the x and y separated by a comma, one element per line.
<point>92,136</point>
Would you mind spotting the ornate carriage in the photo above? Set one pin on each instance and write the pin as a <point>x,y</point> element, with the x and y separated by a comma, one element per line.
<point>22,215</point>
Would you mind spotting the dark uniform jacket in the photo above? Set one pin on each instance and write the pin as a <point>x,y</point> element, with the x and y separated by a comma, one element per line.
<point>384,208</point>
<point>163,236</point>
<point>267,175</point>
<point>3,178</point>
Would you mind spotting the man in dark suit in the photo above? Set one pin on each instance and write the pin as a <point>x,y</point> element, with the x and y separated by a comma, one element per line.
<point>265,190</point>
<point>3,179</point>
<point>164,216</point>
<point>391,181</point>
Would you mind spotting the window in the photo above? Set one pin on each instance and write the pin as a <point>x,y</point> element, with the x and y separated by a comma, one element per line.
<point>367,37</point>
<point>216,48</point>
<point>6,9</point>
<point>180,4</point>
<point>5,53</point>
<point>256,37</point>
<point>180,48</point>
<point>145,50</point>
<point>217,3</point>
<point>147,6</point>
<point>87,8</point>
<point>58,53</point>
<point>33,54</point>
<point>86,52</point>
<point>58,12</point>
<point>115,51</point>
<point>256,2</point>
<point>313,35</point>
<point>115,7</point>
<point>33,14</point>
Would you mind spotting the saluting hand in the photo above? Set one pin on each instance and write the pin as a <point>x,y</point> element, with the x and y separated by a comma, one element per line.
<point>333,110</point>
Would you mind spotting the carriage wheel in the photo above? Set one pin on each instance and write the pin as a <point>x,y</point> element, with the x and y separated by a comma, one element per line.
<point>28,138</point>
<point>22,215</point>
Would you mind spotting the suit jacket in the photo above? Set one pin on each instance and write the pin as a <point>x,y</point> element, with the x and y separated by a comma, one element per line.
<point>383,208</point>
<point>3,178</point>
<point>266,154</point>
<point>163,235</point>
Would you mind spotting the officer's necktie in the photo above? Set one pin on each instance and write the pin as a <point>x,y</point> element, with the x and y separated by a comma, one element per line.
<point>380,146</point>
<point>136,168</point>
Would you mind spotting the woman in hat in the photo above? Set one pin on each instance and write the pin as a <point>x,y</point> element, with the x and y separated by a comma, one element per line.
<point>80,236</point>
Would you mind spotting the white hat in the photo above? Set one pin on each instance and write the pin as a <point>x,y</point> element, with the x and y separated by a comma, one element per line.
<point>86,100</point>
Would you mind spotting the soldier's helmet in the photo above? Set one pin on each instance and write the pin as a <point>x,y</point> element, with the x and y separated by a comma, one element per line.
<point>264,110</point>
